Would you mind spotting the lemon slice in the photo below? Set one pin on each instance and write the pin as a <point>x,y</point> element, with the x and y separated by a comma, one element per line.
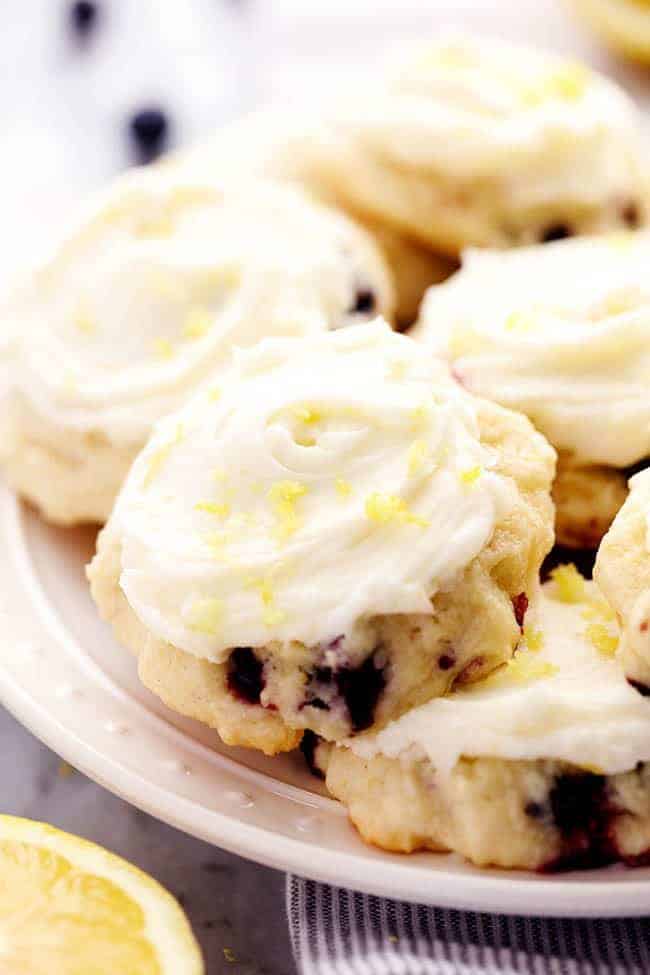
<point>68,907</point>
<point>623,24</point>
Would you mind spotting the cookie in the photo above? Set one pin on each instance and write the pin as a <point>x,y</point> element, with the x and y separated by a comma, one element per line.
<point>623,573</point>
<point>543,766</point>
<point>562,333</point>
<point>474,141</point>
<point>299,149</point>
<point>143,300</point>
<point>335,534</point>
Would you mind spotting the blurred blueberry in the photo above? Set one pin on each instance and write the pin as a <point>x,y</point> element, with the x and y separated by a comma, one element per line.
<point>149,132</point>
<point>83,17</point>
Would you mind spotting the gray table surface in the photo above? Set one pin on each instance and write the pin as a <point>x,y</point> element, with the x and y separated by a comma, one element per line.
<point>232,904</point>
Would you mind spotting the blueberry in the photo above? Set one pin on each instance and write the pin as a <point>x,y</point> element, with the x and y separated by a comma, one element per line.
<point>83,17</point>
<point>364,302</point>
<point>149,131</point>
<point>583,815</point>
<point>631,214</point>
<point>308,747</point>
<point>245,675</point>
<point>446,661</point>
<point>555,231</point>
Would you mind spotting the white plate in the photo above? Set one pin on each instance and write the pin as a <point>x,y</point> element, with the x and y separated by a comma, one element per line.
<point>63,676</point>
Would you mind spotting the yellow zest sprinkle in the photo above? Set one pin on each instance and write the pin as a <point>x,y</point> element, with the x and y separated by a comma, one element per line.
<point>206,616</point>
<point>218,276</point>
<point>197,323</point>
<point>598,609</point>
<point>343,487</point>
<point>397,369</point>
<point>271,615</point>
<point>518,321</point>
<point>534,639</point>
<point>522,669</point>
<point>163,348</point>
<point>83,321</point>
<point>567,82</point>
<point>470,476</point>
<point>385,508</point>
<point>219,508</point>
<point>601,637</point>
<point>416,456</point>
<point>214,394</point>
<point>160,225</point>
<point>420,416</point>
<point>307,414</point>
<point>220,474</point>
<point>283,495</point>
<point>569,586</point>
<point>160,455</point>
<point>216,542</point>
<point>618,302</point>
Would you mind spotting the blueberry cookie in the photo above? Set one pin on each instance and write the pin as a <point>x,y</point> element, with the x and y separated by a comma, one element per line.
<point>543,766</point>
<point>562,333</point>
<point>333,534</point>
<point>623,573</point>
<point>143,300</point>
<point>479,142</point>
<point>298,149</point>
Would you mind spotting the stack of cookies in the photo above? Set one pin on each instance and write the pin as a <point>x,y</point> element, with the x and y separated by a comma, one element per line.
<point>321,533</point>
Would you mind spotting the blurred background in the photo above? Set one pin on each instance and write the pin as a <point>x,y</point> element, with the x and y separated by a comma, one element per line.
<point>92,86</point>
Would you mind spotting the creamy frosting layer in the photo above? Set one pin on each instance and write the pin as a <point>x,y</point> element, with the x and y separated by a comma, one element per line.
<point>563,697</point>
<point>153,287</point>
<point>326,480</point>
<point>560,332</point>
<point>480,109</point>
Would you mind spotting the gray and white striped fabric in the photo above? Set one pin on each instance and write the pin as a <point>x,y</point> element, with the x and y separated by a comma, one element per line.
<point>338,932</point>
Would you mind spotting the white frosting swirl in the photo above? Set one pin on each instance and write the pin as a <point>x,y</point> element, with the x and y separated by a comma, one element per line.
<point>335,477</point>
<point>560,332</point>
<point>567,700</point>
<point>484,112</point>
<point>150,291</point>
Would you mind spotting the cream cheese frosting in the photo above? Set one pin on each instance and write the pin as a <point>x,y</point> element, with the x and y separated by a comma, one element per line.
<point>165,273</point>
<point>480,109</point>
<point>560,332</point>
<point>326,480</point>
<point>563,697</point>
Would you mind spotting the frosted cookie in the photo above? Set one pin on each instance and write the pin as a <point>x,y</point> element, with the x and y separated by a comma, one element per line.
<point>479,142</point>
<point>544,766</point>
<point>562,333</point>
<point>336,534</point>
<point>143,300</point>
<point>298,149</point>
<point>623,573</point>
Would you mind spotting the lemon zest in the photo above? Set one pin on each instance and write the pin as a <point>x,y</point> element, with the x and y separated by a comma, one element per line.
<point>307,414</point>
<point>197,323</point>
<point>470,476</point>
<point>416,456</point>
<point>206,615</point>
<point>598,609</point>
<point>534,639</point>
<point>219,508</point>
<point>283,496</point>
<point>601,637</point>
<point>343,487</point>
<point>568,584</point>
<point>159,456</point>
<point>386,508</point>
<point>163,348</point>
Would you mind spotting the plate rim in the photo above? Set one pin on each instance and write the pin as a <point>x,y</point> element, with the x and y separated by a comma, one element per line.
<point>589,894</point>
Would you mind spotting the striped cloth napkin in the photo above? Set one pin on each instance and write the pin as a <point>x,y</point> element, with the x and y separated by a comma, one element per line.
<point>338,932</point>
